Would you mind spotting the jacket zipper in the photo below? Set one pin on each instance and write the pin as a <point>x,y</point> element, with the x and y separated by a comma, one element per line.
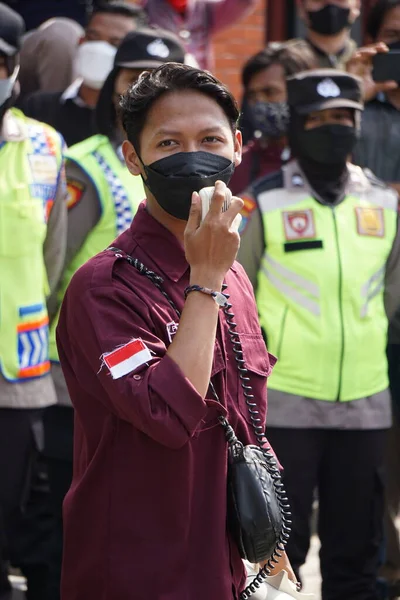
<point>340,290</point>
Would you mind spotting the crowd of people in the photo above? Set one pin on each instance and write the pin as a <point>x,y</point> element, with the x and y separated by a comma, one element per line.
<point>113,384</point>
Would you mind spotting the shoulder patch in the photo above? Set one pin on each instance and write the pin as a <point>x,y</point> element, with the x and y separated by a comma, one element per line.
<point>75,191</point>
<point>249,207</point>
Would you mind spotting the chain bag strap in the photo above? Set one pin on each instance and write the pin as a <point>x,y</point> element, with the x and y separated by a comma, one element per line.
<point>258,510</point>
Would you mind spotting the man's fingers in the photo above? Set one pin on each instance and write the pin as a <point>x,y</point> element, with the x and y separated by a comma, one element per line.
<point>386,86</point>
<point>218,199</point>
<point>363,57</point>
<point>370,50</point>
<point>234,209</point>
<point>194,219</point>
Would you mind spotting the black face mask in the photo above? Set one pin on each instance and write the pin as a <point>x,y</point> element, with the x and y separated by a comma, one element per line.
<point>271,119</point>
<point>327,144</point>
<point>329,20</point>
<point>173,179</point>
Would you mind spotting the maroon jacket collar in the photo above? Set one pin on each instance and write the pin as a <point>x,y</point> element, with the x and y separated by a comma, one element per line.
<point>159,243</point>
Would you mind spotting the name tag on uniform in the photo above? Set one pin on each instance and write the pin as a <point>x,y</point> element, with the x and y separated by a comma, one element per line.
<point>299,224</point>
<point>43,168</point>
<point>370,221</point>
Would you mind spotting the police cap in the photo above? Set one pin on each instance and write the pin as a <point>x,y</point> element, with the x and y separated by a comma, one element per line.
<point>148,48</point>
<point>324,88</point>
<point>12,28</point>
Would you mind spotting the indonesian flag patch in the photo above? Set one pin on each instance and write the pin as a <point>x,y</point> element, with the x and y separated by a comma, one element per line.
<point>127,358</point>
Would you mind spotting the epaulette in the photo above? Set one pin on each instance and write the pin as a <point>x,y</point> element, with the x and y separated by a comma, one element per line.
<point>269,182</point>
<point>374,180</point>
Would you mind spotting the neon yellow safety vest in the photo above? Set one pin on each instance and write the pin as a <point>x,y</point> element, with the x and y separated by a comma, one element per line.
<point>30,168</point>
<point>321,285</point>
<point>120,195</point>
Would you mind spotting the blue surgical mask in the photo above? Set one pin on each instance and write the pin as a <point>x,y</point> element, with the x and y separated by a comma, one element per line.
<point>270,119</point>
<point>7,85</point>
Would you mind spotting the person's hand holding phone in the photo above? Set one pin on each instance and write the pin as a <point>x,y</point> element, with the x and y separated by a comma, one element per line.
<point>362,65</point>
<point>211,245</point>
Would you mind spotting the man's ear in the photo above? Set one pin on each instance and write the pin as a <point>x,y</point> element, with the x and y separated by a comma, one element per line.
<point>131,158</point>
<point>238,148</point>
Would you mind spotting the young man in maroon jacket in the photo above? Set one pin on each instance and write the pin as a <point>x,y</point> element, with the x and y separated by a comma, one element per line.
<point>145,517</point>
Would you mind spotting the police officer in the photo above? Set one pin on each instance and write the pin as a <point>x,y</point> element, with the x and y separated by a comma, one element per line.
<point>322,249</point>
<point>32,246</point>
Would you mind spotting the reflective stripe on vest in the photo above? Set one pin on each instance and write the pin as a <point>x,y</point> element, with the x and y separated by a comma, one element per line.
<point>30,171</point>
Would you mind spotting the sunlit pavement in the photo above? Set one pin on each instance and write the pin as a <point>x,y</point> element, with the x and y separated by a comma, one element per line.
<point>310,572</point>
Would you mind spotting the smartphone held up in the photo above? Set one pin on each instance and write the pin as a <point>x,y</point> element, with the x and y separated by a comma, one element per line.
<point>386,66</point>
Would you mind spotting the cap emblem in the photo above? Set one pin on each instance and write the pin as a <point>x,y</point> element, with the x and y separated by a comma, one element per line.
<point>328,89</point>
<point>158,48</point>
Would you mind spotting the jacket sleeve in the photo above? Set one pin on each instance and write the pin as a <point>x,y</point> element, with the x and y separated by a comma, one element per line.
<point>55,242</point>
<point>82,215</point>
<point>252,244</point>
<point>156,397</point>
<point>84,209</point>
<point>228,12</point>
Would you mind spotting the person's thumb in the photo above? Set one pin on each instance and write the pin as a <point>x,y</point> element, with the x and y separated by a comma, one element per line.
<point>194,219</point>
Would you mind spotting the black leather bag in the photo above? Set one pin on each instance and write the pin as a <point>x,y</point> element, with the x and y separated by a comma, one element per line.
<point>254,509</point>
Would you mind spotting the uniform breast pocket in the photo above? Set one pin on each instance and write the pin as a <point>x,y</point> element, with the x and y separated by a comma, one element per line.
<point>259,364</point>
<point>22,223</point>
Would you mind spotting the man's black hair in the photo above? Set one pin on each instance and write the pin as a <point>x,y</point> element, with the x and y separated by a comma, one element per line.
<point>377,16</point>
<point>293,56</point>
<point>132,11</point>
<point>171,77</point>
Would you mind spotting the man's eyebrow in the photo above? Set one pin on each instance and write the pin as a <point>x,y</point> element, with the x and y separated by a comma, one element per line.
<point>162,132</point>
<point>205,131</point>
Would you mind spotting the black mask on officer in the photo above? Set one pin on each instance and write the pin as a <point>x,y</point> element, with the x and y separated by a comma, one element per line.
<point>173,179</point>
<point>329,144</point>
<point>322,153</point>
<point>329,20</point>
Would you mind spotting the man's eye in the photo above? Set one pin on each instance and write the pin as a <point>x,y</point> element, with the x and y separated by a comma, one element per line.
<point>211,139</point>
<point>167,143</point>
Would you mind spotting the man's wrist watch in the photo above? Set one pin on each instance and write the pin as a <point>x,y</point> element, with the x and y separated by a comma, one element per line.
<point>219,297</point>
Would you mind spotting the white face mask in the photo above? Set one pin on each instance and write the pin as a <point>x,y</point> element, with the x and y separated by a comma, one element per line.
<point>94,61</point>
<point>7,85</point>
